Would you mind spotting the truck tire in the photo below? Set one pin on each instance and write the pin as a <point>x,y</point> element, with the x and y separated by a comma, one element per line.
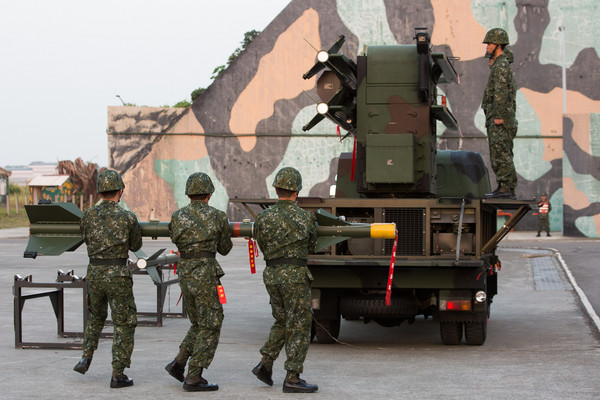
<point>451,332</point>
<point>476,332</point>
<point>326,320</point>
<point>327,330</point>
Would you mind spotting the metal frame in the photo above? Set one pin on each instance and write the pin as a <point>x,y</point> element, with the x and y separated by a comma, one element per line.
<point>57,299</point>
<point>161,294</point>
<point>70,281</point>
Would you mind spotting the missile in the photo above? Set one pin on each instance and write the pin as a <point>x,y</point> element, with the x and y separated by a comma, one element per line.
<point>54,229</point>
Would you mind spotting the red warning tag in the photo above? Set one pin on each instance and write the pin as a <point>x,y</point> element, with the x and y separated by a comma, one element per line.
<point>388,292</point>
<point>252,254</point>
<point>221,292</point>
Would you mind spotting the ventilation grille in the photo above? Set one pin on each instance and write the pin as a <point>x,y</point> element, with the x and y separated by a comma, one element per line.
<point>410,224</point>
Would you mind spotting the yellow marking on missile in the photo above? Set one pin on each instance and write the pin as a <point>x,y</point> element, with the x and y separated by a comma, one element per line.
<point>383,231</point>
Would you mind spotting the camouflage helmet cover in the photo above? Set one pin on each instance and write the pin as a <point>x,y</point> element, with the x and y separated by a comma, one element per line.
<point>288,178</point>
<point>199,183</point>
<point>109,180</point>
<point>496,36</point>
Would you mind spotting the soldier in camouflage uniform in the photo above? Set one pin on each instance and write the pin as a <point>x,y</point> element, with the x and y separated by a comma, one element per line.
<point>109,233</point>
<point>286,235</point>
<point>543,222</point>
<point>199,231</point>
<point>499,106</point>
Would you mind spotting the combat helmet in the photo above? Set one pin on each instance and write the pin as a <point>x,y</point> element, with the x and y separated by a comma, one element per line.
<point>496,36</point>
<point>108,181</point>
<point>199,183</point>
<point>288,178</point>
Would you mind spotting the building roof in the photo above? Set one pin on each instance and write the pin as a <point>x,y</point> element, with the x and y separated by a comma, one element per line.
<point>49,180</point>
<point>4,172</point>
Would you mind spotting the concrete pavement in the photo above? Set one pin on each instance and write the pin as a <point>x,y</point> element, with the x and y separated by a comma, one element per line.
<point>539,346</point>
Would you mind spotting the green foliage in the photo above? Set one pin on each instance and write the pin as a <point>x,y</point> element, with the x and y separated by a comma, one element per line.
<point>14,219</point>
<point>218,71</point>
<point>15,189</point>
<point>248,38</point>
<point>182,104</point>
<point>197,93</point>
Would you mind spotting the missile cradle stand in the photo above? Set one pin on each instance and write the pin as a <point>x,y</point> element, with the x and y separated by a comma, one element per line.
<point>70,281</point>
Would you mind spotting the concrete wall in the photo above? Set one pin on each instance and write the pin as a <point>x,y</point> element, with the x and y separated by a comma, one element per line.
<point>248,123</point>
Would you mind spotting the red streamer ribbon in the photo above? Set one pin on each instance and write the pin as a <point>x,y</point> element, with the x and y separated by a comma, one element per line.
<point>339,133</point>
<point>353,161</point>
<point>388,292</point>
<point>221,292</point>
<point>252,254</point>
<point>174,265</point>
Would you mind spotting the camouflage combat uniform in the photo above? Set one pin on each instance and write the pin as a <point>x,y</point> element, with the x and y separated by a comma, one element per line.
<point>286,235</point>
<point>499,102</point>
<point>199,231</point>
<point>109,233</point>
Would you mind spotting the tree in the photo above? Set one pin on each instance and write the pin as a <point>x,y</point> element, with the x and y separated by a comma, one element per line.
<point>248,38</point>
<point>83,176</point>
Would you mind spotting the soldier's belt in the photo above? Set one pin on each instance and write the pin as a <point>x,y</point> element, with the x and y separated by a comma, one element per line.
<point>108,261</point>
<point>286,261</point>
<point>196,254</point>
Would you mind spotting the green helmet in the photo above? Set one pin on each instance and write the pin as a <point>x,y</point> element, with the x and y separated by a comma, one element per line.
<point>199,183</point>
<point>109,180</point>
<point>496,36</point>
<point>288,178</point>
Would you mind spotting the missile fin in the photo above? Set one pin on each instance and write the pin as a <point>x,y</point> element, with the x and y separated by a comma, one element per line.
<point>154,275</point>
<point>53,245</point>
<point>324,242</point>
<point>155,255</point>
<point>327,219</point>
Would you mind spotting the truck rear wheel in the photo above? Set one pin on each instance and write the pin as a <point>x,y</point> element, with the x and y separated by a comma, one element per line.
<point>326,319</point>
<point>451,332</point>
<point>327,330</point>
<point>476,332</point>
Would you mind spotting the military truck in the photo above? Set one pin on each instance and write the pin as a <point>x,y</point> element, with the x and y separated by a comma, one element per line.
<point>445,261</point>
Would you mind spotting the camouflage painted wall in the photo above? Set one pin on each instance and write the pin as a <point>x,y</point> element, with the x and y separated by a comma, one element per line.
<point>248,122</point>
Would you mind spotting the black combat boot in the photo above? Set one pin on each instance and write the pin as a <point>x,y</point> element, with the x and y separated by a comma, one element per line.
<point>293,384</point>
<point>176,370</point>
<point>263,373</point>
<point>83,365</point>
<point>198,384</point>
<point>120,380</point>
<point>502,194</point>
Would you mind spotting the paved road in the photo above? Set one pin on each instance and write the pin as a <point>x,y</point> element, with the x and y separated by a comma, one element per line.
<point>580,255</point>
<point>539,346</point>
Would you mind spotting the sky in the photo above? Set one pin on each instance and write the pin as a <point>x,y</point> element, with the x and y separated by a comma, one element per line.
<point>63,62</point>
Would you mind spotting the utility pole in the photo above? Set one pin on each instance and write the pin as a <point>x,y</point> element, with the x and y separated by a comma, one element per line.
<point>563,50</point>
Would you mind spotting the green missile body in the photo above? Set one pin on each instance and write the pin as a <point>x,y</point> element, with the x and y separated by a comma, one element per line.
<point>54,229</point>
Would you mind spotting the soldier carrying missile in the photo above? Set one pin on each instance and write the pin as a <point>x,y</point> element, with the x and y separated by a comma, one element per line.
<point>286,235</point>
<point>109,233</point>
<point>199,231</point>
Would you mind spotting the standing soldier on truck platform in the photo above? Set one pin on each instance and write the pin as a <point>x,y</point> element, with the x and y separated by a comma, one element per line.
<point>199,231</point>
<point>499,107</point>
<point>286,235</point>
<point>109,233</point>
